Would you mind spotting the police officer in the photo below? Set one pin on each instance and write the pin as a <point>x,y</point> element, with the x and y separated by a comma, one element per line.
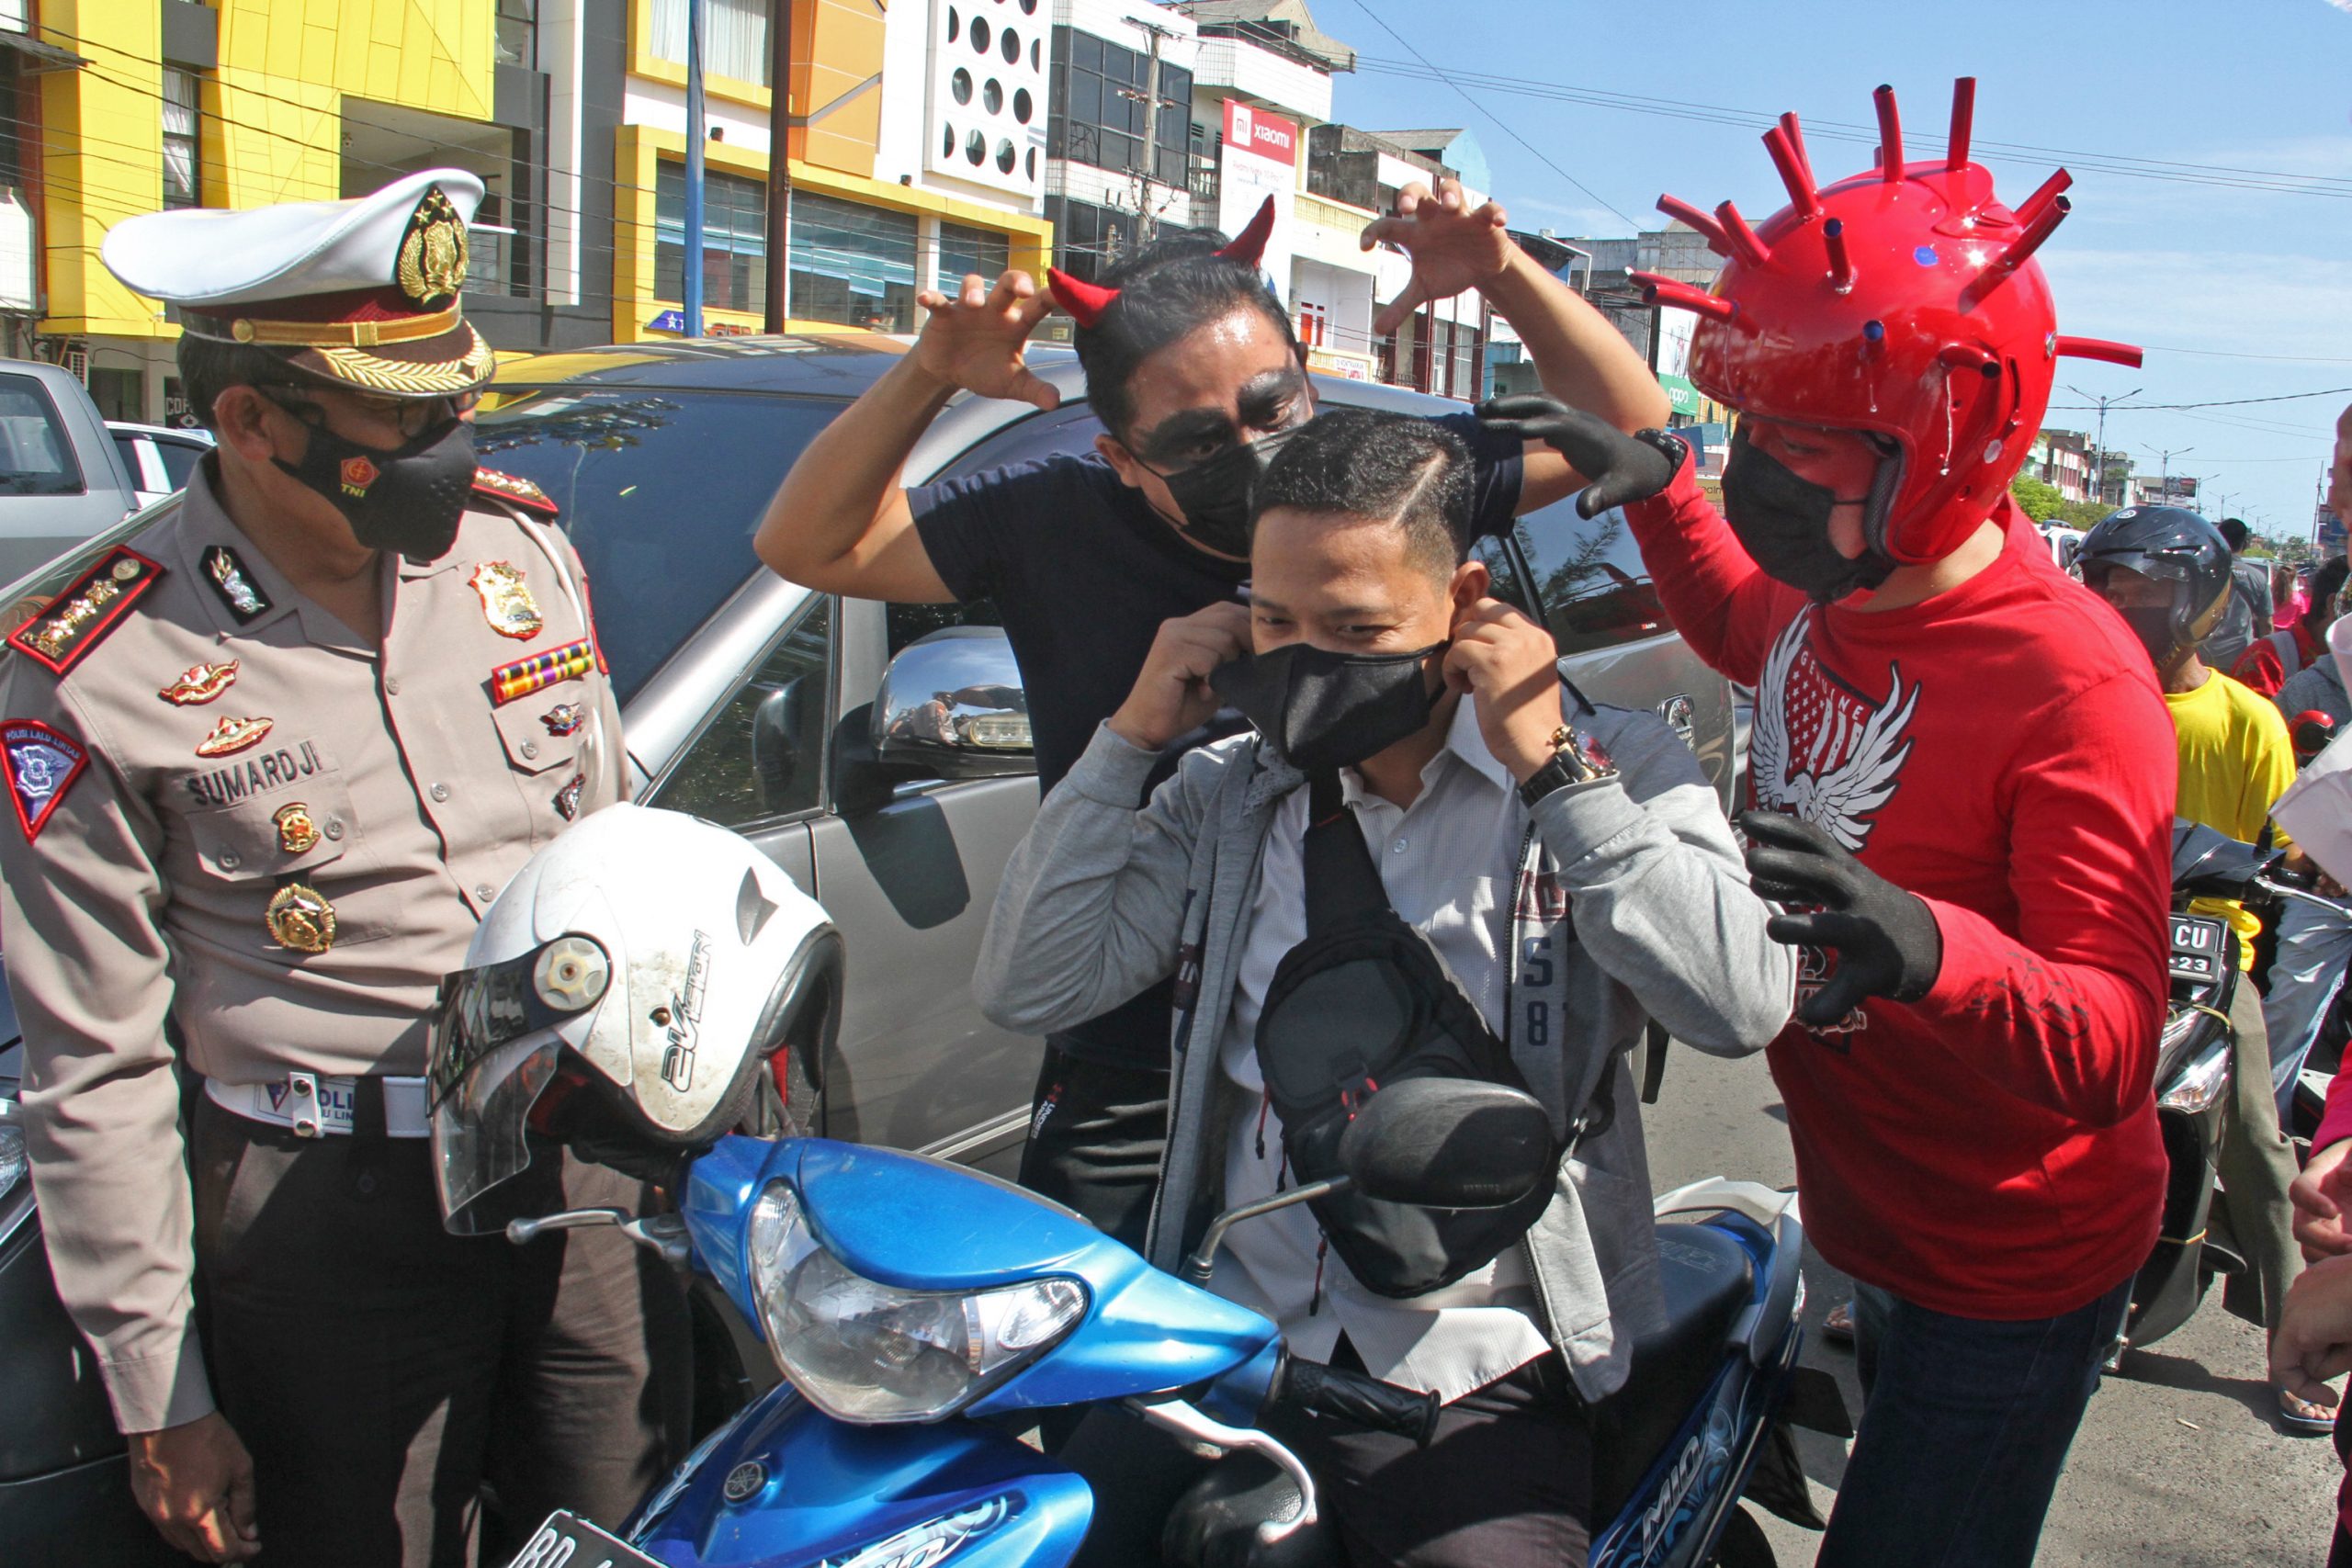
<point>270,761</point>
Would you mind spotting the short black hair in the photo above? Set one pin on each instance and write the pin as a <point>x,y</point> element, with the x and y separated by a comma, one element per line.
<point>1392,467</point>
<point>2234,531</point>
<point>209,367</point>
<point>2328,581</point>
<point>1166,290</point>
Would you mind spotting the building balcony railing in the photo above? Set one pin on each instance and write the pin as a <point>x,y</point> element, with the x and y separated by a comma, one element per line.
<point>1204,181</point>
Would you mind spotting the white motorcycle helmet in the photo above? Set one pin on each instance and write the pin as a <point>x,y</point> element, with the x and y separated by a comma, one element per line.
<point>628,986</point>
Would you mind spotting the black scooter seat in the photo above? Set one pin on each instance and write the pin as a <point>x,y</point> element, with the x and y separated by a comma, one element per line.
<point>1708,1278</point>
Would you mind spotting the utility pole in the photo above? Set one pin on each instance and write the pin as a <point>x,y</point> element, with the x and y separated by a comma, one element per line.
<point>2167,477</point>
<point>690,286</point>
<point>779,241</point>
<point>2101,442</point>
<point>1146,217</point>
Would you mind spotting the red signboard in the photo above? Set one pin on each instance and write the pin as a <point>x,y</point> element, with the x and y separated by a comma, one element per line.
<point>1269,136</point>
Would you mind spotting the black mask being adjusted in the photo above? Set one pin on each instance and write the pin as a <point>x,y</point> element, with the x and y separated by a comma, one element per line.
<point>1329,710</point>
<point>410,499</point>
<point>1782,518</point>
<point>1216,496</point>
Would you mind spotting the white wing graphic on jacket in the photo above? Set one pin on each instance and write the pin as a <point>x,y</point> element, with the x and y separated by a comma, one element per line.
<point>1828,769</point>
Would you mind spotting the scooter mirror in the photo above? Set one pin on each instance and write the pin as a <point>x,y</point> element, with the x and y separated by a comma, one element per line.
<point>1449,1143</point>
<point>2312,731</point>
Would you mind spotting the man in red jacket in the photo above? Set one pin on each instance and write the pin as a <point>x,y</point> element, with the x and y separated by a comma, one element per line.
<point>1963,779</point>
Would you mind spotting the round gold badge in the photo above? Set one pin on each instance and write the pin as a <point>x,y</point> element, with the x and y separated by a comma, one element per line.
<point>301,919</point>
<point>296,832</point>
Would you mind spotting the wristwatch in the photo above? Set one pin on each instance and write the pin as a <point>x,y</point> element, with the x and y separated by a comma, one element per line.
<point>1575,759</point>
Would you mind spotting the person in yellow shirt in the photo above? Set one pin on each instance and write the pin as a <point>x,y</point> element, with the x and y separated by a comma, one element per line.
<point>2166,572</point>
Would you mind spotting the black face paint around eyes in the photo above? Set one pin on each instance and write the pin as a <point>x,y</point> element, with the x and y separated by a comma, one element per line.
<point>1783,520</point>
<point>1322,710</point>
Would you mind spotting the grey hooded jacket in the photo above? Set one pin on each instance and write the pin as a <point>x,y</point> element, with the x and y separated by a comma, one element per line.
<point>1102,900</point>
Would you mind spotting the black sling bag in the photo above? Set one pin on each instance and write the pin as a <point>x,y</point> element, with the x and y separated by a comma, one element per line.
<point>1363,1002</point>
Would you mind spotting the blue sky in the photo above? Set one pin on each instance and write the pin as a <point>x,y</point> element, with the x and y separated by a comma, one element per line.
<point>2231,274</point>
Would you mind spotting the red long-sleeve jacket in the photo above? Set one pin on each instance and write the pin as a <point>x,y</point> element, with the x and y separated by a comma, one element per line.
<point>2001,750</point>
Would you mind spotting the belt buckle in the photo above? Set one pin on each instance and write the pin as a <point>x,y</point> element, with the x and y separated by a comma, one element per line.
<point>302,1104</point>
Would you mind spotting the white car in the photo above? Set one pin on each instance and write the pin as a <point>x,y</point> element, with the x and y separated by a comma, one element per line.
<point>158,457</point>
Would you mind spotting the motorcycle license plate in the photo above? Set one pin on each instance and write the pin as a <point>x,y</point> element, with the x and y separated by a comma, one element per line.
<point>567,1541</point>
<point>2197,949</point>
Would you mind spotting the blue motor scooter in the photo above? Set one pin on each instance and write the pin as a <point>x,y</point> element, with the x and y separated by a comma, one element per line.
<point>924,1314</point>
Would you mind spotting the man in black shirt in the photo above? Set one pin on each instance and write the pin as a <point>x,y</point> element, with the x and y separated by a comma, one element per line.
<point>1193,369</point>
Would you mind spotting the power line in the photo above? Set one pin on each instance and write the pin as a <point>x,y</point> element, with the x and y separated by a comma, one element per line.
<point>2224,403</point>
<point>1541,155</point>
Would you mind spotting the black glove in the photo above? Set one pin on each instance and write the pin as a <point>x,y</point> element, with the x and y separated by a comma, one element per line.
<point>1617,468</point>
<point>1886,940</point>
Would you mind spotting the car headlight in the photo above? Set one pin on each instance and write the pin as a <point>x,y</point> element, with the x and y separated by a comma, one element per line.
<point>863,1351</point>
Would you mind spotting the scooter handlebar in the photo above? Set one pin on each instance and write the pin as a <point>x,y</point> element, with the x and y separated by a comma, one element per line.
<point>1357,1400</point>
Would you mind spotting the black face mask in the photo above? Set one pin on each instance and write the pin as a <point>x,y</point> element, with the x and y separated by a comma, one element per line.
<point>409,499</point>
<point>1329,710</point>
<point>1217,497</point>
<point>1782,518</point>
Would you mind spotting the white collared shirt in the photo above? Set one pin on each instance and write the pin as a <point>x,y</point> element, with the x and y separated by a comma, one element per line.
<point>1448,862</point>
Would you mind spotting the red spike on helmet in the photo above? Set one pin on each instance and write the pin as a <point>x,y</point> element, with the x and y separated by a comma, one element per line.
<point>1250,244</point>
<point>1085,301</point>
<point>1903,302</point>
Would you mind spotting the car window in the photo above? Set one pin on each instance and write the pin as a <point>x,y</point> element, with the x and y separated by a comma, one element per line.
<point>764,755</point>
<point>36,457</point>
<point>1590,576</point>
<point>180,458</point>
<point>660,492</point>
<point>128,446</point>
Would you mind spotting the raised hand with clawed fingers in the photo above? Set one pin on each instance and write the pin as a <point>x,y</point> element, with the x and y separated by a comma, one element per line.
<point>972,338</point>
<point>1453,244</point>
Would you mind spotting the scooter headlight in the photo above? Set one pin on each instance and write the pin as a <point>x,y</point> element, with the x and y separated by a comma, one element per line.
<point>860,1350</point>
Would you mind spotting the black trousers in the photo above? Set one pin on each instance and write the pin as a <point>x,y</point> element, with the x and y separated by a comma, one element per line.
<point>1096,1132</point>
<point>1506,1483</point>
<point>385,1374</point>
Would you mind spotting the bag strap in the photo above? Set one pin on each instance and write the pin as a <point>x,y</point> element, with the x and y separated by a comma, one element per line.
<point>1342,884</point>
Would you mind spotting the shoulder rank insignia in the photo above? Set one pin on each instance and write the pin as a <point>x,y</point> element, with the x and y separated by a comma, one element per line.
<point>237,589</point>
<point>75,621</point>
<point>43,765</point>
<point>506,600</point>
<point>232,735</point>
<point>511,682</point>
<point>199,683</point>
<point>516,489</point>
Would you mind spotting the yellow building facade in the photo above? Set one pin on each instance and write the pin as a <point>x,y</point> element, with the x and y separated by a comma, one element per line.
<point>269,124</point>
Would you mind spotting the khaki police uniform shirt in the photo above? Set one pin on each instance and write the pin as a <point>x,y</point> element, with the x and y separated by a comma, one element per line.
<point>139,893</point>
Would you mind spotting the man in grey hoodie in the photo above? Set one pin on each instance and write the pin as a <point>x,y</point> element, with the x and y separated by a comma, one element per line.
<point>1570,863</point>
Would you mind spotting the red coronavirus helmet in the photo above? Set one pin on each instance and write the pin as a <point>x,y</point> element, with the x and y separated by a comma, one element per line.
<point>1904,302</point>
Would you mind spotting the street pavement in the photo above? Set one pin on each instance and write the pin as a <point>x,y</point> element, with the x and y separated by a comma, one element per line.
<point>2177,1461</point>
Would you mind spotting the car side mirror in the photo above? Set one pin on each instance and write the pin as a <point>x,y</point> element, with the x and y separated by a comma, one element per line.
<point>951,706</point>
<point>1450,1144</point>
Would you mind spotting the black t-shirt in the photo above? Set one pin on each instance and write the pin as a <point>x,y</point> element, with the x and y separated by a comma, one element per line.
<point>1084,573</point>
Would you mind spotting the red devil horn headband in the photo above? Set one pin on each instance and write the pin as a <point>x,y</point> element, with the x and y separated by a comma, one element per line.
<point>1087,301</point>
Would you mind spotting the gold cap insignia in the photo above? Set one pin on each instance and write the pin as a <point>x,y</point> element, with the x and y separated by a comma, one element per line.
<point>432,266</point>
<point>299,917</point>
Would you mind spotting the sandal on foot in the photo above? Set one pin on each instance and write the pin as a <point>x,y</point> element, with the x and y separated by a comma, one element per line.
<point>2302,1418</point>
<point>1837,1327</point>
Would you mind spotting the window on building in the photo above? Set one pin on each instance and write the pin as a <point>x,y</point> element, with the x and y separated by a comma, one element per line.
<point>734,35</point>
<point>734,239</point>
<point>852,265</point>
<point>1099,112</point>
<point>964,250</point>
<point>1089,239</point>
<point>517,38</point>
<point>183,183</point>
<point>1314,324</point>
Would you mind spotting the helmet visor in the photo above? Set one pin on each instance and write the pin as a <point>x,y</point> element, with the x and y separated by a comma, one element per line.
<point>495,1048</point>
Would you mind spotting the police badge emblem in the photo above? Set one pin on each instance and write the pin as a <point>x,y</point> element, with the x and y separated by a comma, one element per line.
<point>43,765</point>
<point>199,683</point>
<point>299,917</point>
<point>297,832</point>
<point>233,735</point>
<point>507,602</point>
<point>227,575</point>
<point>564,719</point>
